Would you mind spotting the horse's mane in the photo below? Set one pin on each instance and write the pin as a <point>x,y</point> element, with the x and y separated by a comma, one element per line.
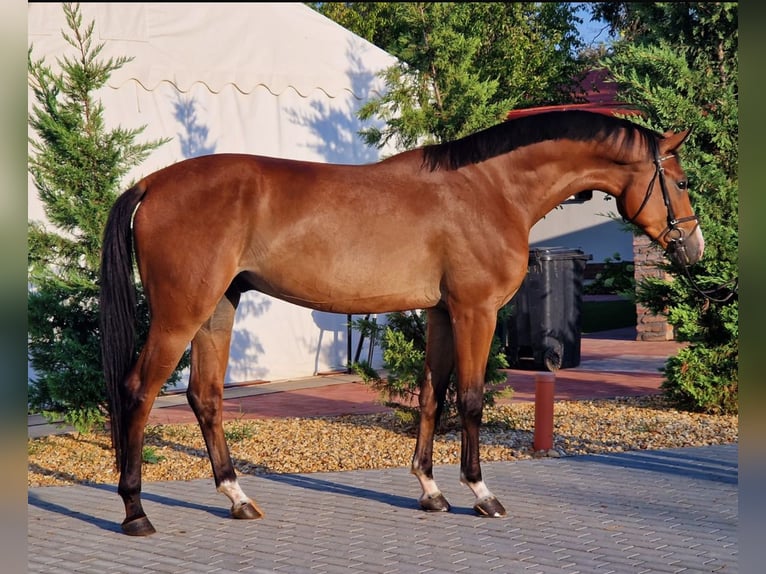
<point>502,138</point>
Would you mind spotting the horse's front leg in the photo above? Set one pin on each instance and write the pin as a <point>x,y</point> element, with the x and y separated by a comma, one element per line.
<point>473,331</point>
<point>209,358</point>
<point>433,390</point>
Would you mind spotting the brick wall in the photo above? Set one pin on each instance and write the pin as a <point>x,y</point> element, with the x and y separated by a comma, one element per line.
<point>646,255</point>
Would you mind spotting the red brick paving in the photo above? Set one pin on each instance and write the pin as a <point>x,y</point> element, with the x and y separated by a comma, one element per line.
<point>358,398</point>
<point>343,399</point>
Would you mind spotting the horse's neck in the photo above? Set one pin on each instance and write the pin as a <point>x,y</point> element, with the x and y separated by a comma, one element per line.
<point>545,175</point>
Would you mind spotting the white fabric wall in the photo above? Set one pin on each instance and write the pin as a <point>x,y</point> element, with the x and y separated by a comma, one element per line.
<point>261,78</point>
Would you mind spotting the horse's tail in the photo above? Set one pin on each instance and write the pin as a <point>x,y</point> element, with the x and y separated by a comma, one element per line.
<point>118,307</point>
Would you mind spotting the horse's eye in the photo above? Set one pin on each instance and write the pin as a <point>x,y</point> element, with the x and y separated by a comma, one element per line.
<point>683,184</point>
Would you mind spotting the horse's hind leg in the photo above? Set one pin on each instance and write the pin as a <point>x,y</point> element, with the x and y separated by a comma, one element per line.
<point>155,364</point>
<point>209,358</point>
<point>439,364</point>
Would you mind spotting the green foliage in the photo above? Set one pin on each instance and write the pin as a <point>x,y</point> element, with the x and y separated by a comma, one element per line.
<point>403,341</point>
<point>237,431</point>
<point>680,66</point>
<point>699,379</point>
<point>706,32</point>
<point>615,278</point>
<point>149,455</point>
<point>77,165</point>
<point>462,66</point>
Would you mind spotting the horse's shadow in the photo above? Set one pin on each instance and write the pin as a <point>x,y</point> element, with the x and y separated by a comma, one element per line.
<point>303,481</point>
<point>34,500</point>
<point>114,526</point>
<point>329,487</point>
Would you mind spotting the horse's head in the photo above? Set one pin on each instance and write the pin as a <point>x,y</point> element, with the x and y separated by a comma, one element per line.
<point>657,200</point>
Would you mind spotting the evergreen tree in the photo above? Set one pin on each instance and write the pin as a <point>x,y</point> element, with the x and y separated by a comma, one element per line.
<point>678,62</point>
<point>403,342</point>
<point>463,66</point>
<point>77,165</point>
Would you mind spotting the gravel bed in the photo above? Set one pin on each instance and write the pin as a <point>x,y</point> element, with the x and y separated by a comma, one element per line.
<point>294,445</point>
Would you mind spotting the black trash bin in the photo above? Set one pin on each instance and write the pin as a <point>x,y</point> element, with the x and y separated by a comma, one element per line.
<point>543,326</point>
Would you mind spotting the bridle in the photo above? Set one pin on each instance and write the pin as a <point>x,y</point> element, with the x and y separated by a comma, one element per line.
<point>674,235</point>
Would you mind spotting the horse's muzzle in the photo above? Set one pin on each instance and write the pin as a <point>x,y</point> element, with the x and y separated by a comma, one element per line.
<point>683,250</point>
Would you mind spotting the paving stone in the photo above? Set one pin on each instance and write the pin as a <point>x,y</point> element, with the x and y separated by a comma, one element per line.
<point>670,511</point>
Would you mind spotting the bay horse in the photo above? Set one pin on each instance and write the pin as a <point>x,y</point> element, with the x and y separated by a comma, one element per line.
<point>443,227</point>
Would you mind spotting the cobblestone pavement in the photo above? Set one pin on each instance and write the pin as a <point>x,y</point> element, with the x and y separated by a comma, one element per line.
<point>645,511</point>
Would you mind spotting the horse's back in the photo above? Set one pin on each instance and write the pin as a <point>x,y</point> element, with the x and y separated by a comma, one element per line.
<point>325,236</point>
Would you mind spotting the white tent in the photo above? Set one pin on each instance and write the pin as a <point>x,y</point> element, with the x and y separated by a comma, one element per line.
<point>261,78</point>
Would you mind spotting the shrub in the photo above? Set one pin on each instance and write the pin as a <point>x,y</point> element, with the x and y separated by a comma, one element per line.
<point>403,341</point>
<point>616,277</point>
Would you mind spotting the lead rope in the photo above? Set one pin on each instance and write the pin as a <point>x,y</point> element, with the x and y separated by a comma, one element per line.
<point>708,294</point>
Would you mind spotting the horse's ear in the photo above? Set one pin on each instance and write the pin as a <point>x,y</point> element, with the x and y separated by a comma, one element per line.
<point>671,141</point>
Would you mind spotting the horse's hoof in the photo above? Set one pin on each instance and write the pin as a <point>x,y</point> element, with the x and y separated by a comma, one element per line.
<point>434,503</point>
<point>138,526</point>
<point>247,510</point>
<point>489,507</point>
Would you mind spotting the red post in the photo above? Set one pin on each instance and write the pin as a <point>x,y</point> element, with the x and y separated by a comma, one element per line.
<point>544,386</point>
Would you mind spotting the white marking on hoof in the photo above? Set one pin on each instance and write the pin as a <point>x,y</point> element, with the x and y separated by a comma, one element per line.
<point>430,489</point>
<point>235,493</point>
<point>479,489</point>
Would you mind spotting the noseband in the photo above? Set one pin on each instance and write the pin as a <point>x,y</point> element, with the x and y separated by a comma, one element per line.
<point>673,234</point>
